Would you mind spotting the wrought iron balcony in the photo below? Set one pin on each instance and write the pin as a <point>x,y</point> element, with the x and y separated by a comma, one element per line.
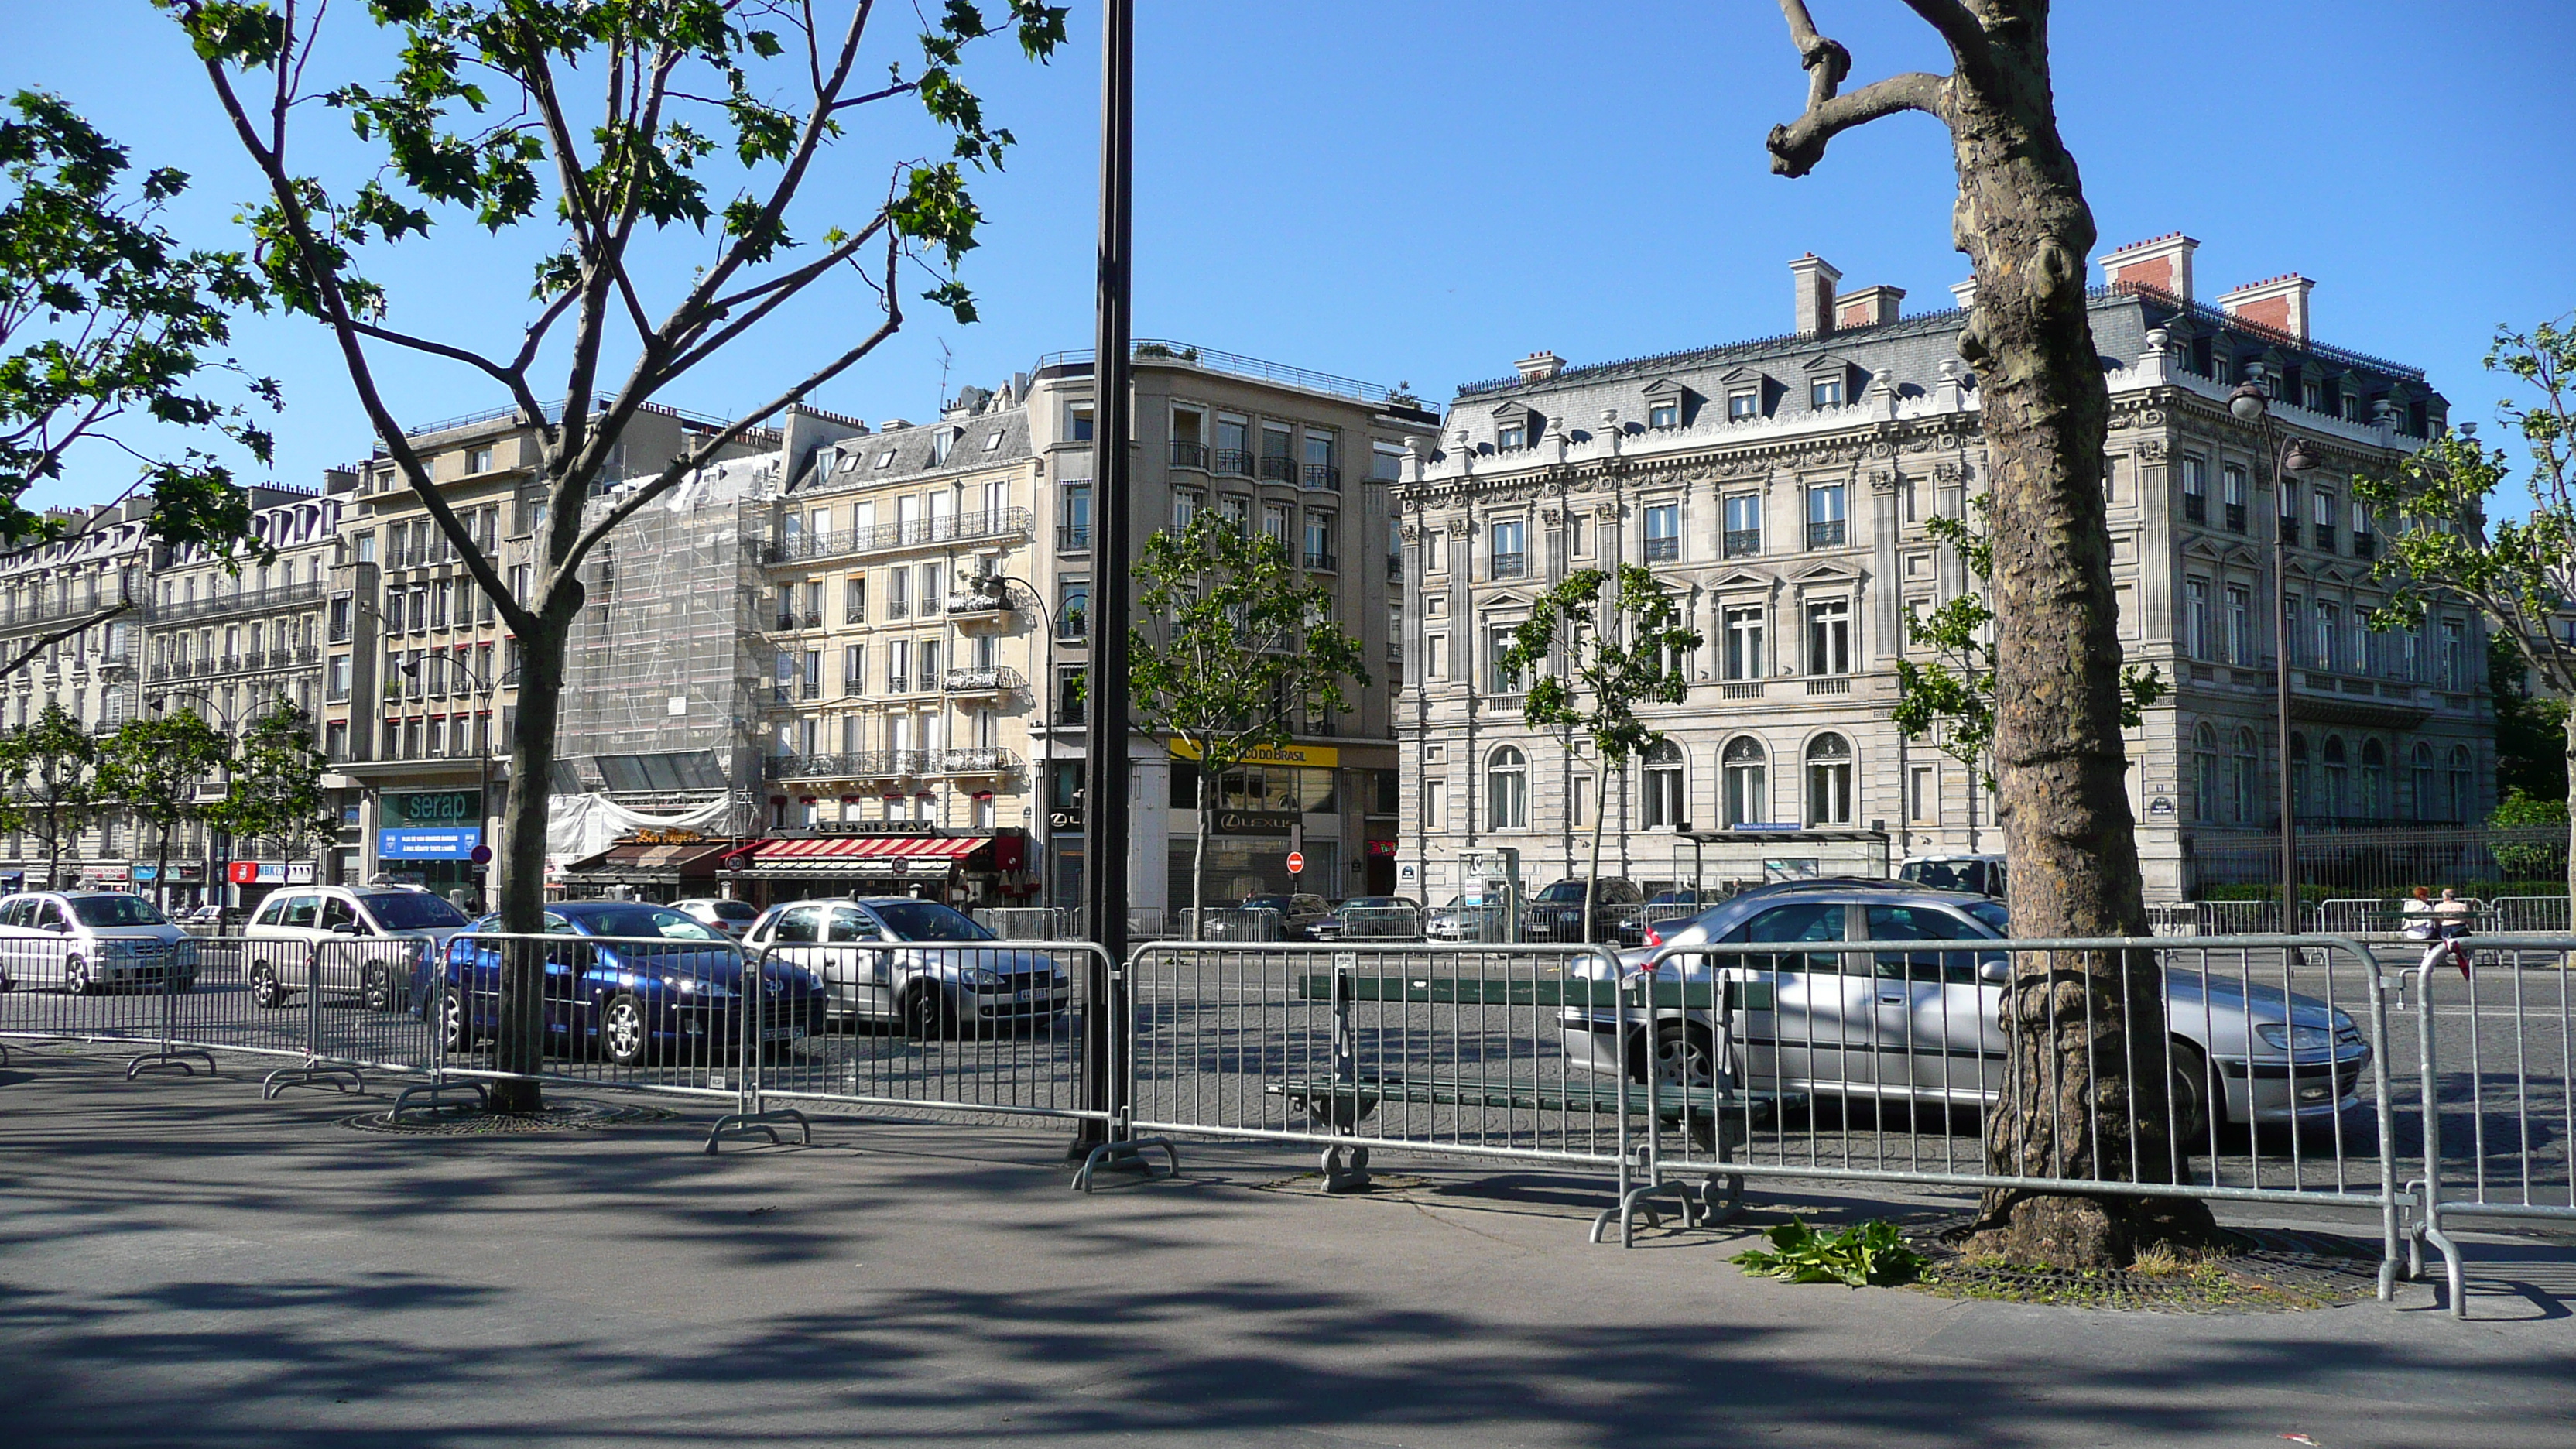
<point>917,533</point>
<point>1189,455</point>
<point>977,760</point>
<point>2195,507</point>
<point>995,679</point>
<point>1663,550</point>
<point>1322,478</point>
<point>1233,462</point>
<point>1826,533</point>
<point>1743,542</point>
<point>1073,538</point>
<point>1510,565</point>
<point>2235,520</point>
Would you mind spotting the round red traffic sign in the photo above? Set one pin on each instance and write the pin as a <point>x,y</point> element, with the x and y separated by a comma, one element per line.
<point>1296,862</point>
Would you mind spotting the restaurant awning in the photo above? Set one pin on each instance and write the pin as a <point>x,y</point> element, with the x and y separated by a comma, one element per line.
<point>636,863</point>
<point>857,855</point>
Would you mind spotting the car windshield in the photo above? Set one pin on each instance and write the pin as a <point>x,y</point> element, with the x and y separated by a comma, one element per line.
<point>1564,890</point>
<point>1265,903</point>
<point>117,911</point>
<point>640,922</point>
<point>411,911</point>
<point>1993,914</point>
<point>733,910</point>
<point>1949,875</point>
<point>928,921</point>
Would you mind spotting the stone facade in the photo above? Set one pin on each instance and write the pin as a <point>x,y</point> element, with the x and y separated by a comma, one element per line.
<point>1780,487</point>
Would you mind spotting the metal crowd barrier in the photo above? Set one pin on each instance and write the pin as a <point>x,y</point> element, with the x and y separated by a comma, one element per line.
<point>1380,923</point>
<point>1023,923</point>
<point>2494,1017</point>
<point>2531,913</point>
<point>1228,923</point>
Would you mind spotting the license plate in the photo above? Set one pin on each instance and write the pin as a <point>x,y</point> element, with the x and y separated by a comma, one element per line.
<point>783,1033</point>
<point>1025,996</point>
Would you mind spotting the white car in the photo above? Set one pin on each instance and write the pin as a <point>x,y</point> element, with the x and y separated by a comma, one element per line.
<point>365,940</point>
<point>92,941</point>
<point>732,917</point>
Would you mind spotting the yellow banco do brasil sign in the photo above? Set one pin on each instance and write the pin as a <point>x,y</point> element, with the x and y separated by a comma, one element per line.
<point>1321,755</point>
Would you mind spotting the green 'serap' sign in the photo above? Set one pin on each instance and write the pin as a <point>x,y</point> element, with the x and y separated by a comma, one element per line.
<point>434,807</point>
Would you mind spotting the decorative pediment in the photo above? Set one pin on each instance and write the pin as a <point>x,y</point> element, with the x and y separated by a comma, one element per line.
<point>1827,362</point>
<point>1826,573</point>
<point>1746,375</point>
<point>1498,603</point>
<point>1740,580</point>
<point>2205,548</point>
<point>1520,414</point>
<point>1666,390</point>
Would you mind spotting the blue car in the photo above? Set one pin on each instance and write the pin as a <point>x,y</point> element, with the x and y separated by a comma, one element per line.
<point>632,982</point>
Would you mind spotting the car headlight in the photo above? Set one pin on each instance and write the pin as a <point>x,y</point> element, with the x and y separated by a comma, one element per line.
<point>2295,1038</point>
<point>978,976</point>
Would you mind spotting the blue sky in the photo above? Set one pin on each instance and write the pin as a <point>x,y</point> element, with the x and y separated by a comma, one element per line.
<point>1420,192</point>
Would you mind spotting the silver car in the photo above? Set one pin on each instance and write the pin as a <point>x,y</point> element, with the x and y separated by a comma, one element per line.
<point>1917,1022</point>
<point>914,962</point>
<point>92,941</point>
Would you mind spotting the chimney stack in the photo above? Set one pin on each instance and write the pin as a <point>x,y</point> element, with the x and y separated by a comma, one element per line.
<point>2161,262</point>
<point>1815,279</point>
<point>1868,307</point>
<point>2280,303</point>
<point>1964,293</point>
<point>1540,366</point>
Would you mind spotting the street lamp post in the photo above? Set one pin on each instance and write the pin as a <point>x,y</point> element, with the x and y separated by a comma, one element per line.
<point>998,587</point>
<point>218,841</point>
<point>2250,403</point>
<point>485,689</point>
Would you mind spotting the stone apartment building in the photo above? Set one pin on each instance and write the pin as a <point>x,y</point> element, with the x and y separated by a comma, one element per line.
<point>95,673</point>
<point>911,699</point>
<point>1780,488</point>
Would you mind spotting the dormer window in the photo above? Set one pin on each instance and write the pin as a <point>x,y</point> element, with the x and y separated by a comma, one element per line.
<point>1515,426</point>
<point>1667,414</point>
<point>1825,392</point>
<point>1511,435</point>
<point>1743,403</point>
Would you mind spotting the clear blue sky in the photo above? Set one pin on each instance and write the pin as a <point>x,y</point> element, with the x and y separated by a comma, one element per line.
<point>1425,192</point>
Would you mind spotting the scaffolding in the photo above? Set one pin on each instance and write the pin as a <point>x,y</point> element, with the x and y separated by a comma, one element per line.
<point>660,707</point>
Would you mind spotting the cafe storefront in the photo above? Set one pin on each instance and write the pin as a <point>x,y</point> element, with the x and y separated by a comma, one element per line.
<point>879,858</point>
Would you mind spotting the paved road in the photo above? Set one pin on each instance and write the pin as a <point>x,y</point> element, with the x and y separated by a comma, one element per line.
<point>186,1265</point>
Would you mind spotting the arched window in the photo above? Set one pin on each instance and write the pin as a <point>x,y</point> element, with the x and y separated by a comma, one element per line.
<point>1829,781</point>
<point>1507,790</point>
<point>2249,778</point>
<point>2205,774</point>
<point>1665,786</point>
<point>2460,783</point>
<point>2425,804</point>
<point>2299,776</point>
<point>2338,797</point>
<point>2374,800</point>
<point>1748,789</point>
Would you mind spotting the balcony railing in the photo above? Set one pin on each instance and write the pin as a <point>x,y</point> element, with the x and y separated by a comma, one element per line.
<point>1322,559</point>
<point>890,764</point>
<point>1322,478</point>
<point>918,533</point>
<point>2289,530</point>
<point>1832,685</point>
<point>976,601</point>
<point>976,760</point>
<point>2328,536</point>
<point>1279,470</point>
<point>1663,550</point>
<point>1826,533</point>
<point>1073,538</point>
<point>983,679</point>
<point>2235,520</point>
<point>1510,565</point>
<point>2365,545</point>
<point>248,601</point>
<point>46,607</point>
<point>1233,462</point>
<point>2195,507</point>
<point>1743,542</point>
<point>1073,628</point>
<point>1189,455</point>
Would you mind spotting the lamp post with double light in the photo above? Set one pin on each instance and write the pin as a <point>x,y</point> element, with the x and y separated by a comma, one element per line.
<point>2251,403</point>
<point>997,587</point>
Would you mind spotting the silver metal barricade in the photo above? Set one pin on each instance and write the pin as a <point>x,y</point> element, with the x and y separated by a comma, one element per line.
<point>2496,1079</point>
<point>2531,913</point>
<point>1380,923</point>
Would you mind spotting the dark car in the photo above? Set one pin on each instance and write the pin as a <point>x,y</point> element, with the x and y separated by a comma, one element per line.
<point>1298,914</point>
<point>632,982</point>
<point>1556,913</point>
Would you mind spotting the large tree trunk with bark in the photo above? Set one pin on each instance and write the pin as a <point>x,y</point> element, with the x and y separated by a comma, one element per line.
<point>2085,1087</point>
<point>520,1044</point>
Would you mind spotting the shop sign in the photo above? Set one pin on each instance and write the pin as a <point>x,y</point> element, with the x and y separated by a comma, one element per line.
<point>269,872</point>
<point>1382,849</point>
<point>432,807</point>
<point>109,874</point>
<point>452,843</point>
<point>1271,754</point>
<point>1061,821</point>
<point>667,835</point>
<point>875,827</point>
<point>1254,822</point>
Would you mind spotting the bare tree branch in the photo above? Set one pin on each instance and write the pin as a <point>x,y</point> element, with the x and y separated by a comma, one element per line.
<point>1967,38</point>
<point>1797,147</point>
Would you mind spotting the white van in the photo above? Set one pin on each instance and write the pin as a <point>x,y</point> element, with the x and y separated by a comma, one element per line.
<point>374,936</point>
<point>92,941</point>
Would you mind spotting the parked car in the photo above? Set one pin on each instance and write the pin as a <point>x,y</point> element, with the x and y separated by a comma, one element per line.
<point>1977,874</point>
<point>92,941</point>
<point>631,981</point>
<point>1299,914</point>
<point>1556,913</point>
<point>1465,918</point>
<point>732,917</point>
<point>343,938</point>
<point>1663,908</point>
<point>1372,918</point>
<point>897,959</point>
<point>1920,1023</point>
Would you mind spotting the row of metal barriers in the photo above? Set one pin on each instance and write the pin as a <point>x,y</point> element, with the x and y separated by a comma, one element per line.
<point>1857,1047</point>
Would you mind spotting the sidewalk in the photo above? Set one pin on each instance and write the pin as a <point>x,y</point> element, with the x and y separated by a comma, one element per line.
<point>185,1264</point>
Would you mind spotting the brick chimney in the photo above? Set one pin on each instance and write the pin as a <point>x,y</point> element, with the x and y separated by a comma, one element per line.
<point>1868,307</point>
<point>1540,366</point>
<point>2161,262</point>
<point>2278,302</point>
<point>1814,278</point>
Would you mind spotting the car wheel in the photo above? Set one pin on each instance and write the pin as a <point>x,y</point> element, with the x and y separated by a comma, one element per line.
<point>624,1038</point>
<point>925,1013</point>
<point>2190,1093</point>
<point>76,978</point>
<point>456,1023</point>
<point>376,989</point>
<point>264,989</point>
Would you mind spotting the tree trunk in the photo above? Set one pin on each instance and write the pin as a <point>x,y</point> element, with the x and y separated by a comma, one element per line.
<point>520,1043</point>
<point>161,870</point>
<point>1600,818</point>
<point>2077,1022</point>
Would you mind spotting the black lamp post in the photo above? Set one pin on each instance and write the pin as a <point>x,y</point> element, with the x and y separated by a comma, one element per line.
<point>2250,403</point>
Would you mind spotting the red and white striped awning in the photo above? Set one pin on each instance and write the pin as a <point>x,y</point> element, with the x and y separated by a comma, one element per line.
<point>881,855</point>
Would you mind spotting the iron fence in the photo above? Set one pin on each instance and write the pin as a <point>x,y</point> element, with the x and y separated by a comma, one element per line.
<point>2478,861</point>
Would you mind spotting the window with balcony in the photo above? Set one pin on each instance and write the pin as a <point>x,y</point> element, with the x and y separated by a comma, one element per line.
<point>1508,557</point>
<point>1073,534</point>
<point>2195,489</point>
<point>1278,454</point>
<point>898,593</point>
<point>1743,525</point>
<point>1319,541</point>
<point>1323,469</point>
<point>899,667</point>
<point>1743,633</point>
<point>1189,438</point>
<point>1826,525</point>
<point>1233,455</point>
<point>1072,609</point>
<point>1500,676</point>
<point>2234,479</point>
<point>2323,520</point>
<point>2195,618</point>
<point>1663,532</point>
<point>934,589</point>
<point>810,682</point>
<point>854,599</point>
<point>2288,498</point>
<point>2240,625</point>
